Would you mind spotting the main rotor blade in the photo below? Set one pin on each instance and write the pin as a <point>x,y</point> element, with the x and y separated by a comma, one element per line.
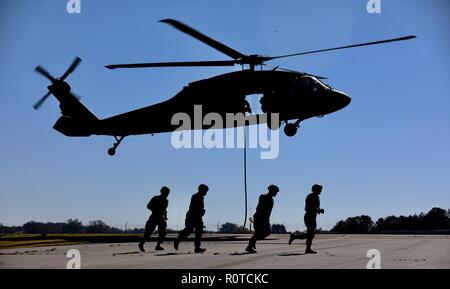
<point>42,71</point>
<point>205,39</point>
<point>174,64</point>
<point>41,101</point>
<point>342,47</point>
<point>71,68</point>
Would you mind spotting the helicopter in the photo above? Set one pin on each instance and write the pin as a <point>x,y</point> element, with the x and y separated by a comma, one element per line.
<point>295,96</point>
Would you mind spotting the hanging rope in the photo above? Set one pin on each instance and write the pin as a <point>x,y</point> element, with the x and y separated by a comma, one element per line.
<point>245,178</point>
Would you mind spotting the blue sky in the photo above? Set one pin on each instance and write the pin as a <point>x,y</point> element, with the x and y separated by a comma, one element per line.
<point>387,153</point>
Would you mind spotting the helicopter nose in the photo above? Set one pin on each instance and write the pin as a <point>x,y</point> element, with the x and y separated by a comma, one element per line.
<point>343,99</point>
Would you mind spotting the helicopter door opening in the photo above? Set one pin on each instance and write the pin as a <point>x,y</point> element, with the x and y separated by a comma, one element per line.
<point>254,101</point>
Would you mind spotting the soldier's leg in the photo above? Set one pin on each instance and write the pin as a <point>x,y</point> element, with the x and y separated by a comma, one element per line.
<point>253,239</point>
<point>198,233</point>
<point>256,236</point>
<point>310,233</point>
<point>266,231</point>
<point>149,228</point>
<point>309,237</point>
<point>188,229</point>
<point>162,232</point>
<point>252,244</point>
<point>185,233</point>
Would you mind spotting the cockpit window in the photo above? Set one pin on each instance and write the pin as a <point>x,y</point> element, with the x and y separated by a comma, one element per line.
<point>319,83</point>
<point>311,84</point>
<point>323,84</point>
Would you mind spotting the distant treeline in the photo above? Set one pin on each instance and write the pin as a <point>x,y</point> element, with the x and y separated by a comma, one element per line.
<point>436,219</point>
<point>235,228</point>
<point>71,226</point>
<point>74,226</point>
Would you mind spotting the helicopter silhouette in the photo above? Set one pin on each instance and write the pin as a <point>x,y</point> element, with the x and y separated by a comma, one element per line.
<point>293,95</point>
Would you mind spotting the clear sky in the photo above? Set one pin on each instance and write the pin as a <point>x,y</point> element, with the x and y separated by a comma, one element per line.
<point>387,153</point>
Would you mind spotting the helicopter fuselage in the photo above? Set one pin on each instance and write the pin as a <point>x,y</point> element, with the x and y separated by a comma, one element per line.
<point>292,95</point>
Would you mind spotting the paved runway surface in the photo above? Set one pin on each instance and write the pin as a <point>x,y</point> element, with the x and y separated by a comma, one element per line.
<point>333,251</point>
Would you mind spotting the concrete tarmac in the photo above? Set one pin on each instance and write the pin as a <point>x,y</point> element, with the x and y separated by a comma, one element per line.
<point>333,251</point>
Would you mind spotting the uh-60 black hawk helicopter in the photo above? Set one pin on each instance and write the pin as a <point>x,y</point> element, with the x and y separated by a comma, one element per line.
<point>293,95</point>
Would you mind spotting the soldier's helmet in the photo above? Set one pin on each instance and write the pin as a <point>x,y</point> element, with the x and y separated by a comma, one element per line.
<point>165,190</point>
<point>316,188</point>
<point>203,188</point>
<point>273,188</point>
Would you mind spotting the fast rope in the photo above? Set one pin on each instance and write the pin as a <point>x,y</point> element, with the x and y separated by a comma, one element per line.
<point>245,178</point>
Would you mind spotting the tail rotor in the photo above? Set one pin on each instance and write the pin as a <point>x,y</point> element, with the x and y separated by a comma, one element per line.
<point>42,71</point>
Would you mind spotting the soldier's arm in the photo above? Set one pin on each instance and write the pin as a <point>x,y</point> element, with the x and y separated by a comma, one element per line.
<point>202,207</point>
<point>150,204</point>
<point>319,210</point>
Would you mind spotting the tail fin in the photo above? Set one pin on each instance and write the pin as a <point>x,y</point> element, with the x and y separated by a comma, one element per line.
<point>76,119</point>
<point>71,106</point>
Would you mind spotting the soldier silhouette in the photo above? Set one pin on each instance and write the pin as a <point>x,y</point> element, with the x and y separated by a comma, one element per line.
<point>194,220</point>
<point>261,218</point>
<point>312,209</point>
<point>158,206</point>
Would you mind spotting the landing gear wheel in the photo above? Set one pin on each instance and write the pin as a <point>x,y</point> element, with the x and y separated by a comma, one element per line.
<point>112,151</point>
<point>290,129</point>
